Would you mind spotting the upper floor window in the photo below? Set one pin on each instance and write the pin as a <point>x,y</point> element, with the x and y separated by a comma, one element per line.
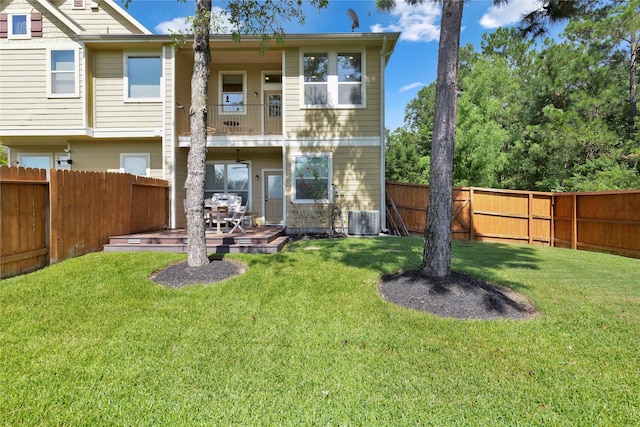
<point>78,4</point>
<point>233,91</point>
<point>62,67</point>
<point>143,77</point>
<point>333,79</point>
<point>19,26</point>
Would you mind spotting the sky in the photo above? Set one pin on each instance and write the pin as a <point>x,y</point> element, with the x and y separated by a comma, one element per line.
<point>414,60</point>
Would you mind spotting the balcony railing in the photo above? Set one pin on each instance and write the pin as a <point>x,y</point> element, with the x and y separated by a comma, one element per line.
<point>247,119</point>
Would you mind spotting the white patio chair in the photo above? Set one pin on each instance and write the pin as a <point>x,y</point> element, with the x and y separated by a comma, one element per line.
<point>236,217</point>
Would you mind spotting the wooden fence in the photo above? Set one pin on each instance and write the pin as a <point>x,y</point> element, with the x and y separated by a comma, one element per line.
<point>605,221</point>
<point>24,214</point>
<point>81,212</point>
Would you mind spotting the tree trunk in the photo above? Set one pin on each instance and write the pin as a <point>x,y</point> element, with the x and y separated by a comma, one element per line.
<point>436,261</point>
<point>196,244</point>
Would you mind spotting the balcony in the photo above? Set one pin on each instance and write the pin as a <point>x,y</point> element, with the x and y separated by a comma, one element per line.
<point>225,120</point>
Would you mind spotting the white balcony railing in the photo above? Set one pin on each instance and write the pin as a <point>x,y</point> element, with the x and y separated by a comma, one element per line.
<point>248,119</point>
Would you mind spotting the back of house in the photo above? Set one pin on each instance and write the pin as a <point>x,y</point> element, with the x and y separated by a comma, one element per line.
<point>85,86</point>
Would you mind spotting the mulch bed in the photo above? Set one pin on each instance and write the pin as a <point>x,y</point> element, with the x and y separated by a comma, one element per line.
<point>180,274</point>
<point>461,296</point>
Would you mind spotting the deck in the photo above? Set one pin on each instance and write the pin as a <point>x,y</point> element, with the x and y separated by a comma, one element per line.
<point>257,240</point>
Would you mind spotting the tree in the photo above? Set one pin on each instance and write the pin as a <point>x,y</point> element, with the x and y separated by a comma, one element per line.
<point>247,17</point>
<point>436,262</point>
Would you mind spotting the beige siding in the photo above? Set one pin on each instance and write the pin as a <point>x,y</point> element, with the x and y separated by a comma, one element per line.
<point>181,194</point>
<point>356,173</point>
<point>102,20</point>
<point>111,110</point>
<point>331,122</point>
<point>23,93</point>
<point>105,154</point>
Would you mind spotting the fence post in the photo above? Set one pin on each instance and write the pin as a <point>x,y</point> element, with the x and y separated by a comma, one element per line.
<point>472,234</point>
<point>574,222</point>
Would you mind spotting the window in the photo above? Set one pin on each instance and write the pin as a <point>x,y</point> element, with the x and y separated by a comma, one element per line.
<point>143,77</point>
<point>349,79</point>
<point>232,91</point>
<point>78,4</point>
<point>136,163</point>
<point>63,73</point>
<point>19,26</point>
<point>316,75</point>
<point>333,79</point>
<point>311,178</point>
<point>227,178</point>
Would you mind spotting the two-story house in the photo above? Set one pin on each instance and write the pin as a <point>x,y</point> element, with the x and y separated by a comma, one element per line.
<point>84,86</point>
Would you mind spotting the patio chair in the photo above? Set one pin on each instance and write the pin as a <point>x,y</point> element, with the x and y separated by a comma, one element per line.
<point>237,215</point>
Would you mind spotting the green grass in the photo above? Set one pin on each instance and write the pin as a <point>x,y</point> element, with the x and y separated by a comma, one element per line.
<point>303,338</point>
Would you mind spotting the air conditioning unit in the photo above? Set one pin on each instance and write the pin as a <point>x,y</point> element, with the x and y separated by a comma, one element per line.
<point>364,223</point>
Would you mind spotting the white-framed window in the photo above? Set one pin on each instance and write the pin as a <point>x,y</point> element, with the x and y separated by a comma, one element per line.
<point>333,79</point>
<point>232,86</point>
<point>311,178</point>
<point>62,70</point>
<point>19,26</point>
<point>36,160</point>
<point>136,163</point>
<point>79,4</point>
<point>142,76</point>
<point>227,177</point>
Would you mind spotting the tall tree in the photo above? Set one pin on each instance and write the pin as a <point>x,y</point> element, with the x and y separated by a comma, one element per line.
<point>247,17</point>
<point>436,261</point>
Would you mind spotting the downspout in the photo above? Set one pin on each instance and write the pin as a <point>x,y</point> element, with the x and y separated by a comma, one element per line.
<point>384,57</point>
<point>172,158</point>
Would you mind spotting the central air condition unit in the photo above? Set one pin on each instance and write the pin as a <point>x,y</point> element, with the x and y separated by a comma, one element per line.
<point>364,223</point>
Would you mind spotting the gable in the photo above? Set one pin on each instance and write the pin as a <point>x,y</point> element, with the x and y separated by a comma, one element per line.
<point>65,18</point>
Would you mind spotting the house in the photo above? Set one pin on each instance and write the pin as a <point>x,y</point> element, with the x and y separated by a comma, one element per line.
<point>84,86</point>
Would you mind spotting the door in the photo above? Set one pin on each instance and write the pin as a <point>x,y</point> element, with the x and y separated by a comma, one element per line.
<point>273,111</point>
<point>273,192</point>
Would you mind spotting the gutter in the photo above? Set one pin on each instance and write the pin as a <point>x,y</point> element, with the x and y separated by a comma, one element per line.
<point>384,59</point>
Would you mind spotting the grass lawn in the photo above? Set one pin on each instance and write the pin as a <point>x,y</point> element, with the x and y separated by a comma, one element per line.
<point>302,338</point>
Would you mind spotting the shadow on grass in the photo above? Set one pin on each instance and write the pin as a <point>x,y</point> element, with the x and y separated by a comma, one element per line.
<point>390,254</point>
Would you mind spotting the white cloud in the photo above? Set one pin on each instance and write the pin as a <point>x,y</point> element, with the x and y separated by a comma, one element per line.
<point>176,24</point>
<point>411,86</point>
<point>220,23</point>
<point>510,13</point>
<point>416,23</point>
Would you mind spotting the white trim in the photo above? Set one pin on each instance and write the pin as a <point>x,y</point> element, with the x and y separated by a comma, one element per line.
<point>61,16</point>
<point>334,142</point>
<point>125,80</point>
<point>27,17</point>
<point>125,133</point>
<point>127,16</point>
<point>83,131</point>
<point>263,205</point>
<point>184,141</point>
<point>223,73</point>
<point>146,156</point>
<point>295,154</point>
<point>332,78</point>
<point>76,60</point>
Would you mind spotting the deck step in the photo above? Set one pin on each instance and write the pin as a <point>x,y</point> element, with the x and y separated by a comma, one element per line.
<point>264,241</point>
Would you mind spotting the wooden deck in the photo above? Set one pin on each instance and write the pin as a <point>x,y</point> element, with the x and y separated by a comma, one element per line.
<point>257,240</point>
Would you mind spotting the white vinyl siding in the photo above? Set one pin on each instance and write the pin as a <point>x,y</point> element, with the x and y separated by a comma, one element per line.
<point>111,110</point>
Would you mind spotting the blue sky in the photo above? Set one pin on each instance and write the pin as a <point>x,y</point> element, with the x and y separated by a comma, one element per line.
<point>413,63</point>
